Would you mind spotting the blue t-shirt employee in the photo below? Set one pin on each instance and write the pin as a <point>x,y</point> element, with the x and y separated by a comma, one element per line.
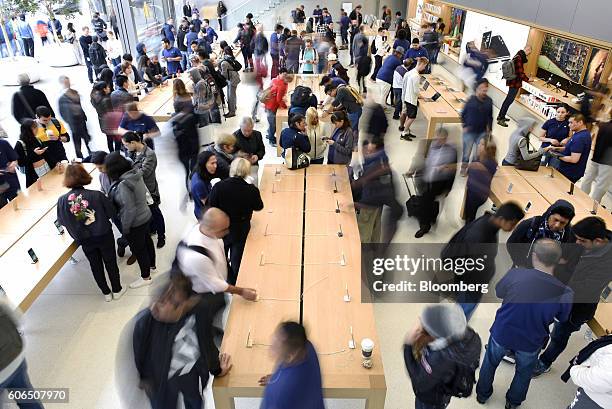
<point>576,150</point>
<point>555,129</point>
<point>172,56</point>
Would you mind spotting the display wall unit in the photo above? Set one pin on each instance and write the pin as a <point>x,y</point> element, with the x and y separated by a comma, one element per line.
<point>430,12</point>
<point>563,57</point>
<point>563,71</point>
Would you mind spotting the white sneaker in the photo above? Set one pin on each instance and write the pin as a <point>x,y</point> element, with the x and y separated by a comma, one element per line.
<point>118,295</point>
<point>108,297</point>
<point>141,282</point>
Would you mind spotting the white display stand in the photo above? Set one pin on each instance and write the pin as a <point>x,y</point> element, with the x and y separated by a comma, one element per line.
<point>11,67</point>
<point>58,55</point>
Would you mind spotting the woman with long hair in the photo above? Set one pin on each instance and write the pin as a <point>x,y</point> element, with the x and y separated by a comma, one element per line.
<point>31,152</point>
<point>108,119</point>
<point>182,98</point>
<point>130,196</point>
<point>341,143</point>
<point>314,131</point>
<point>203,173</point>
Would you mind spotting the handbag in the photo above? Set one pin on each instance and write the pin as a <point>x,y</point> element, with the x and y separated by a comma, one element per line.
<point>531,165</point>
<point>295,158</point>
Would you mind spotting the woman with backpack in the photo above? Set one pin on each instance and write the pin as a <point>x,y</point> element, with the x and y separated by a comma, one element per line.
<point>230,69</point>
<point>441,340</point>
<point>130,196</point>
<point>204,99</point>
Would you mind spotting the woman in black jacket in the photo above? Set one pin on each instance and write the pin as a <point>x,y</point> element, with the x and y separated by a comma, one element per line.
<point>221,10</point>
<point>100,99</point>
<point>31,152</point>
<point>86,215</point>
<point>238,198</point>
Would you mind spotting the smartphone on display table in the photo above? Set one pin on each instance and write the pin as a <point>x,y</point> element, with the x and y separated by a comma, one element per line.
<point>59,227</point>
<point>33,256</point>
<point>528,206</point>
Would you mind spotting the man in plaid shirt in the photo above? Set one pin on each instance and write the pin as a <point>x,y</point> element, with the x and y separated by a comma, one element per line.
<point>514,85</point>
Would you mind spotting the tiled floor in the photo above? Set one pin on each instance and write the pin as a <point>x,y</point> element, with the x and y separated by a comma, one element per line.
<point>76,340</point>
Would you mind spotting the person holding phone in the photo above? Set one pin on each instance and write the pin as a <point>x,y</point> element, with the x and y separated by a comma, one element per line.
<point>342,140</point>
<point>31,153</point>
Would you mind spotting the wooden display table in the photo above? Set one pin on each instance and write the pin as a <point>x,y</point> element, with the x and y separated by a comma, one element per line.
<point>332,265</point>
<point>159,103</point>
<point>601,324</point>
<point>22,280</point>
<point>522,192</point>
<point>311,290</point>
<point>445,110</point>
<point>31,205</point>
<point>271,264</point>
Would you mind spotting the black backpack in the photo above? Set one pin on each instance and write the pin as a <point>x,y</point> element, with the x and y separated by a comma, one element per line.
<point>96,56</point>
<point>236,66</point>
<point>373,48</point>
<point>462,384</point>
<point>301,97</point>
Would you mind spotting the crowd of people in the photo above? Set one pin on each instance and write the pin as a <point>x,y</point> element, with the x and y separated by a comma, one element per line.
<point>558,270</point>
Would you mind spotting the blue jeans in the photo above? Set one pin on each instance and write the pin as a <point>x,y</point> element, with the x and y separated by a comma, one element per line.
<point>397,96</point>
<point>470,145</point>
<point>525,362</point>
<point>184,61</point>
<point>271,115</point>
<point>4,50</point>
<point>354,118</point>
<point>20,379</point>
<point>558,340</point>
<point>507,102</point>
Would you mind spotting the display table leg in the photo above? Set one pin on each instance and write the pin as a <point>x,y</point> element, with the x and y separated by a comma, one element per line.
<point>223,398</point>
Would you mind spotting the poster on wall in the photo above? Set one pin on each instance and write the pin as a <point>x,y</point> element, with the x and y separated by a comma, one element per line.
<point>500,39</point>
<point>562,57</point>
<point>419,11</point>
<point>595,68</point>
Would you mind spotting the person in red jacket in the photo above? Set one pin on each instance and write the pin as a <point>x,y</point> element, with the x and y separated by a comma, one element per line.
<point>276,100</point>
<point>520,59</point>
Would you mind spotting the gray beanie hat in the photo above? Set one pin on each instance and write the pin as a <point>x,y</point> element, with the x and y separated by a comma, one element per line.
<point>446,321</point>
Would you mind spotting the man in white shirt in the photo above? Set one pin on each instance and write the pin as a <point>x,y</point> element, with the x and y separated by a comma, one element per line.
<point>410,95</point>
<point>201,256</point>
<point>398,83</point>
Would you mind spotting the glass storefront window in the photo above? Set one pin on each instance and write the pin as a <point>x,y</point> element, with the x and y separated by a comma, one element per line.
<point>149,18</point>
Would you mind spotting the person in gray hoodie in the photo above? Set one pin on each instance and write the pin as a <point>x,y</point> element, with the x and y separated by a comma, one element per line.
<point>519,142</point>
<point>13,368</point>
<point>130,195</point>
<point>441,355</point>
<point>145,160</point>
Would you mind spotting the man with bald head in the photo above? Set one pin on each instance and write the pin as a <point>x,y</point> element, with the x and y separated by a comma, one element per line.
<point>532,300</point>
<point>201,256</point>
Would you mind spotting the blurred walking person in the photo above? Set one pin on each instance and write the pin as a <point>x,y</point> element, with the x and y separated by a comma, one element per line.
<point>296,380</point>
